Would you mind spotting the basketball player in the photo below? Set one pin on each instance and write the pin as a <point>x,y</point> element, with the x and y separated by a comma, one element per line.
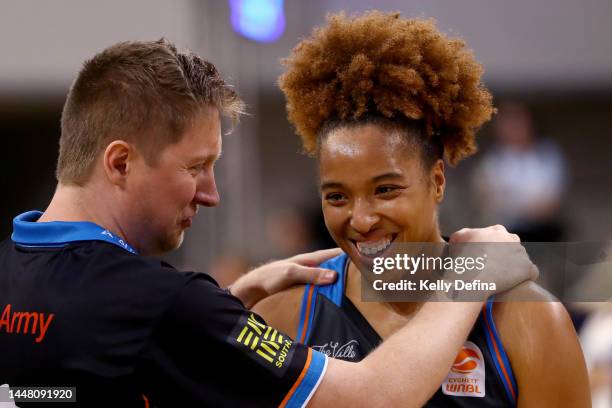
<point>381,101</point>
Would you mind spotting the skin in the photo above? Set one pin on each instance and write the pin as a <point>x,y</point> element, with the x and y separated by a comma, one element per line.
<point>374,186</point>
<point>150,206</point>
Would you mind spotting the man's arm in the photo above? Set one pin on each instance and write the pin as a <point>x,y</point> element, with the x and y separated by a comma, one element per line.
<point>408,367</point>
<point>276,276</point>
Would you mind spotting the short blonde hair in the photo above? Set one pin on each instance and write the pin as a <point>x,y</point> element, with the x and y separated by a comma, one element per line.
<point>147,93</point>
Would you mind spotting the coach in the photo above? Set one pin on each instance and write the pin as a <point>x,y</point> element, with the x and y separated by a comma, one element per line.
<point>84,302</point>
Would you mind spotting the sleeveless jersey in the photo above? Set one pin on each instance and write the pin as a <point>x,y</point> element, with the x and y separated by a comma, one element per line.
<point>481,375</point>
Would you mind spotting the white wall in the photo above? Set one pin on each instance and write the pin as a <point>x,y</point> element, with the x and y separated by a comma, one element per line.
<point>522,43</point>
<point>44,43</point>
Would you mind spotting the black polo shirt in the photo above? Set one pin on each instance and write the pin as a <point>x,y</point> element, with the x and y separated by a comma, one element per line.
<point>80,308</point>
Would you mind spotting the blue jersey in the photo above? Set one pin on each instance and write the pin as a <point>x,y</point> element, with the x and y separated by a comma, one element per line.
<point>481,375</point>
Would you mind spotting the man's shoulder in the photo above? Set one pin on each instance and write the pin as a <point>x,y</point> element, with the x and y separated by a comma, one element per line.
<point>138,273</point>
<point>99,276</point>
<point>110,259</point>
<point>100,270</point>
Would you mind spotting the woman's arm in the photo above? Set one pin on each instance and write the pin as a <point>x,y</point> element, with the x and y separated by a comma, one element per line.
<point>282,310</point>
<point>543,349</point>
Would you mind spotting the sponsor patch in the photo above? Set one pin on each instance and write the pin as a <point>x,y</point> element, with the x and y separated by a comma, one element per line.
<point>467,375</point>
<point>264,344</point>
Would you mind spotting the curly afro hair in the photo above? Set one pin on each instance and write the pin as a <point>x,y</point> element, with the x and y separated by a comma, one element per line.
<point>379,64</point>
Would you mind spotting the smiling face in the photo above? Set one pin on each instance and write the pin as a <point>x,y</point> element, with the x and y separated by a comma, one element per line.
<point>165,196</point>
<point>375,190</point>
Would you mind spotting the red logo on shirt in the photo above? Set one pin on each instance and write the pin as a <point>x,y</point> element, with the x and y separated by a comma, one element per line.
<point>32,323</point>
<point>466,361</point>
<point>467,375</point>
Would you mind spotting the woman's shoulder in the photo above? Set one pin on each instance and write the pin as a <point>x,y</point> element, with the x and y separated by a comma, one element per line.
<point>541,342</point>
<point>525,292</point>
<point>529,307</point>
<point>531,317</point>
<point>282,310</point>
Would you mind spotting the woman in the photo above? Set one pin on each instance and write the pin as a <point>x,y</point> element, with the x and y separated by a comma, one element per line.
<point>381,101</point>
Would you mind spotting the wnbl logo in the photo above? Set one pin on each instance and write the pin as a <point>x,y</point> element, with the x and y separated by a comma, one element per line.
<point>467,375</point>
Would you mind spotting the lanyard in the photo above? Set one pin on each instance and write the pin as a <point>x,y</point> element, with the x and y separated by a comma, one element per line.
<point>28,232</point>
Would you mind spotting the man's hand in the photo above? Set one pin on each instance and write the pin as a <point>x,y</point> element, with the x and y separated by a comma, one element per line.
<point>507,263</point>
<point>494,233</point>
<point>276,276</point>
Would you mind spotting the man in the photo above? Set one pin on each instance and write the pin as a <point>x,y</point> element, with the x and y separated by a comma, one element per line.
<point>83,303</point>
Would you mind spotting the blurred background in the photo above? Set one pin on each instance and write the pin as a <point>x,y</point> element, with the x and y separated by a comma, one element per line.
<point>541,171</point>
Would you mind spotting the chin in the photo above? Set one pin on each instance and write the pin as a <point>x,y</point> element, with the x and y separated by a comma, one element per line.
<point>174,242</point>
<point>179,240</point>
<point>170,243</point>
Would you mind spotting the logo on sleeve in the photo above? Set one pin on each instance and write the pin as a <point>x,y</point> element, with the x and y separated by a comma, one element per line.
<point>263,343</point>
<point>467,375</point>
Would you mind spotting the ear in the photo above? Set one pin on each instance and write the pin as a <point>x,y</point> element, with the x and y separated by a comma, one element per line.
<point>117,161</point>
<point>438,180</point>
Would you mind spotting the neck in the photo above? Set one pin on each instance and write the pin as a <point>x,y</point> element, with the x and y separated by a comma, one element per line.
<point>353,292</point>
<point>436,236</point>
<point>82,203</point>
<point>405,309</point>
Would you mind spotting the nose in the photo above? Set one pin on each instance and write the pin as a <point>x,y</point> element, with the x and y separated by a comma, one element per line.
<point>363,216</point>
<point>206,191</point>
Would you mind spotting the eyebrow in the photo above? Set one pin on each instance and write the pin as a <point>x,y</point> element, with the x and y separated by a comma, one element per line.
<point>331,184</point>
<point>391,175</point>
<point>203,159</point>
<point>386,176</point>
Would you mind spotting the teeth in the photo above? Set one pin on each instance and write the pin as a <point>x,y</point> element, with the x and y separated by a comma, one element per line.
<point>373,248</point>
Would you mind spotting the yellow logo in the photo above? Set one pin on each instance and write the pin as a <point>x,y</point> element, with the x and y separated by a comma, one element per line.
<point>265,341</point>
